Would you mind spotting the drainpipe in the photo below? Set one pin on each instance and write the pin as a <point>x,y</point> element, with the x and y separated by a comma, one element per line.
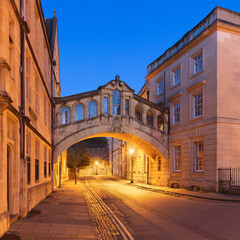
<point>23,182</point>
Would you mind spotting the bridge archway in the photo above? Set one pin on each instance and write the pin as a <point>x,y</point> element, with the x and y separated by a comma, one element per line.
<point>112,118</point>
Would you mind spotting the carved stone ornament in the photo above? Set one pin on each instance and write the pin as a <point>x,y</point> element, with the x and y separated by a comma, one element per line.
<point>113,82</point>
<point>116,126</point>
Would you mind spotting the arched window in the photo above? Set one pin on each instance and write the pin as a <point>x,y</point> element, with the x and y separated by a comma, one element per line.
<point>65,116</point>
<point>92,109</point>
<point>149,118</point>
<point>116,102</point>
<point>138,113</point>
<point>160,123</point>
<point>79,112</point>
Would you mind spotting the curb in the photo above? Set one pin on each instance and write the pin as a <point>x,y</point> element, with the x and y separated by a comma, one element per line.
<point>176,194</point>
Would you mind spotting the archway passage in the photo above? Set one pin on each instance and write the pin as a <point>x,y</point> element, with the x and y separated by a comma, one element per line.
<point>113,111</point>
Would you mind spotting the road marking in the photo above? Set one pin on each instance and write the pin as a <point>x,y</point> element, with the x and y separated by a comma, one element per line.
<point>121,228</point>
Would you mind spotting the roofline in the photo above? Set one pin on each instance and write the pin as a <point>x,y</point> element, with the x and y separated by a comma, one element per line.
<point>151,104</point>
<point>188,33</point>
<point>76,96</point>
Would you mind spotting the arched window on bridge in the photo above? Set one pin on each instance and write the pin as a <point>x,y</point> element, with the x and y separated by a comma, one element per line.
<point>79,112</point>
<point>116,102</point>
<point>160,123</point>
<point>92,109</point>
<point>149,118</point>
<point>65,116</point>
<point>138,113</point>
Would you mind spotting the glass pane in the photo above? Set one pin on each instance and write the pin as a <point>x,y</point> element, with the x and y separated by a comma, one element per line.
<point>105,112</point>
<point>79,112</point>
<point>116,101</point>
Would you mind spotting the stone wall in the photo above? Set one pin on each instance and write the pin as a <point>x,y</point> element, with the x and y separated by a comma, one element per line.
<point>37,194</point>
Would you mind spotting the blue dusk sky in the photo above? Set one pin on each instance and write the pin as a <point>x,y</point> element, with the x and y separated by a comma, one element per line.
<point>101,38</point>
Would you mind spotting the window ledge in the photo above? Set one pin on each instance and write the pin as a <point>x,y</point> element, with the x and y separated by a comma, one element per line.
<point>200,172</point>
<point>175,86</point>
<point>158,96</point>
<point>177,171</point>
<point>196,119</point>
<point>196,74</point>
<point>176,125</point>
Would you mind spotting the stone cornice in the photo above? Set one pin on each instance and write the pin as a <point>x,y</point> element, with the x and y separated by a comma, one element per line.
<point>195,86</point>
<point>178,95</point>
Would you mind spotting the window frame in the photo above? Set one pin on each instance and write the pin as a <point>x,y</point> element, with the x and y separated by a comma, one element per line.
<point>79,115</point>
<point>160,85</point>
<point>174,84</point>
<point>193,58</point>
<point>198,105</point>
<point>163,123</point>
<point>116,111</point>
<point>105,105</point>
<point>174,114</point>
<point>177,167</point>
<point>196,154</point>
<point>66,116</point>
<point>95,109</point>
<point>127,107</point>
<point>149,123</point>
<point>141,116</point>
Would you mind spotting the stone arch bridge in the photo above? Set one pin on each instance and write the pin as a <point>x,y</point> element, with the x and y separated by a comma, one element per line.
<point>113,110</point>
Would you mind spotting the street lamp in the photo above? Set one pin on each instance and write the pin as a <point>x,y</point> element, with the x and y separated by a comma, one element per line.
<point>96,163</point>
<point>131,152</point>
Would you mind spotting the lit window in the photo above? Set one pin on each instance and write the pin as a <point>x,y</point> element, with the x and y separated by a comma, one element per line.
<point>160,123</point>
<point>177,158</point>
<point>138,113</point>
<point>126,107</point>
<point>65,115</point>
<point>176,113</point>
<point>197,105</point>
<point>149,118</point>
<point>198,63</point>
<point>198,156</point>
<point>79,112</point>
<point>160,87</point>
<point>116,101</point>
<point>105,112</point>
<point>176,77</point>
<point>92,109</point>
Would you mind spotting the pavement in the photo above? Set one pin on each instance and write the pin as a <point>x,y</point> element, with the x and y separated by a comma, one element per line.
<point>62,215</point>
<point>178,192</point>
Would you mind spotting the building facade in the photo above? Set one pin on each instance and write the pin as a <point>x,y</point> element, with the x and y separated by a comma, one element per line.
<point>197,80</point>
<point>29,79</point>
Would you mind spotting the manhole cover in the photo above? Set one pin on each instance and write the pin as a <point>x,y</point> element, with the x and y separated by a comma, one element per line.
<point>10,237</point>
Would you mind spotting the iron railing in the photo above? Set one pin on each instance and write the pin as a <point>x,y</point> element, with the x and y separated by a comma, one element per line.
<point>229,176</point>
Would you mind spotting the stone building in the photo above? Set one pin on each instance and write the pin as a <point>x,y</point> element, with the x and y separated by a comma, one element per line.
<point>29,79</point>
<point>197,79</point>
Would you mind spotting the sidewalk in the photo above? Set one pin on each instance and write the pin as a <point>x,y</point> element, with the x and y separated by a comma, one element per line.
<point>62,215</point>
<point>184,192</point>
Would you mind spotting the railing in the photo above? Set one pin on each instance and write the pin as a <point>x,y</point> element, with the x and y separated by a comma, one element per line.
<point>229,176</point>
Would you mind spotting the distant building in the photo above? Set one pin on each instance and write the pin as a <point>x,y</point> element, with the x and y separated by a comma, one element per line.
<point>29,79</point>
<point>197,79</point>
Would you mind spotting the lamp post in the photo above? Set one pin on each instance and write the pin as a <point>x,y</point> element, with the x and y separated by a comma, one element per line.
<point>96,163</point>
<point>131,152</point>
